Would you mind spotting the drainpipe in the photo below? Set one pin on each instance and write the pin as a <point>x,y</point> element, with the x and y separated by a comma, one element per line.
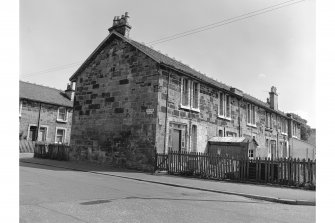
<point>38,122</point>
<point>166,112</point>
<point>239,118</point>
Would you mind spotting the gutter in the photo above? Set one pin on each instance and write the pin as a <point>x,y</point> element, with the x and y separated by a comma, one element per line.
<point>39,101</point>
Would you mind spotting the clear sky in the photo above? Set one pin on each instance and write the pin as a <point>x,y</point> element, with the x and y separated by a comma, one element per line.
<point>272,49</point>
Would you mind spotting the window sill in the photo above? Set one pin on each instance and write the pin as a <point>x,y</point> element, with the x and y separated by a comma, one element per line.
<point>295,137</point>
<point>195,109</point>
<point>268,129</point>
<point>185,107</point>
<point>225,118</point>
<point>62,121</point>
<point>283,133</point>
<point>251,125</point>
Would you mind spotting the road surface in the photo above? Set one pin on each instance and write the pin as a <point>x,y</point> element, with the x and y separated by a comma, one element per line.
<point>49,194</point>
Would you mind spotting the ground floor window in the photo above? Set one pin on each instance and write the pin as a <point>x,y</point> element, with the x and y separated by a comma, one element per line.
<point>251,153</point>
<point>60,135</point>
<point>231,134</point>
<point>220,133</point>
<point>42,134</point>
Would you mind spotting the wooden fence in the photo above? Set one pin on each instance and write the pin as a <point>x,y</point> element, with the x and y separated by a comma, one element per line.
<point>291,172</point>
<point>52,151</point>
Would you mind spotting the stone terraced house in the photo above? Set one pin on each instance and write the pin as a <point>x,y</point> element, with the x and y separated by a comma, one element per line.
<point>131,101</point>
<point>47,109</point>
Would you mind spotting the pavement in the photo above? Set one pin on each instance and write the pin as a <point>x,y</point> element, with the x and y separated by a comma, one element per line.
<point>284,195</point>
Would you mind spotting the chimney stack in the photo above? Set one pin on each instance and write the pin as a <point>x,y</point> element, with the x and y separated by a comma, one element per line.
<point>69,92</point>
<point>121,25</point>
<point>273,98</point>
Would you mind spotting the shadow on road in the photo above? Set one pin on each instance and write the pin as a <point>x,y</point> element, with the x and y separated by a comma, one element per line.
<point>70,165</point>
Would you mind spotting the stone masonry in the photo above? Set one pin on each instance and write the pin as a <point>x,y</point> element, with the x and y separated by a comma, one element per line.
<point>48,119</point>
<point>128,103</point>
<point>115,97</point>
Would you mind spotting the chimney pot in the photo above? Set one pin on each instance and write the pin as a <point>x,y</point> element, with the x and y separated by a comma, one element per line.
<point>70,91</point>
<point>121,25</point>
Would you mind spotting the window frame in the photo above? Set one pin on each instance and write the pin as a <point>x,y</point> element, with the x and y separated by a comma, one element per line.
<point>251,151</point>
<point>190,94</point>
<point>182,88</point>
<point>64,136</point>
<point>268,120</point>
<point>193,83</point>
<point>284,126</point>
<point>231,134</point>
<point>294,130</point>
<point>224,102</point>
<point>251,115</point>
<point>66,115</point>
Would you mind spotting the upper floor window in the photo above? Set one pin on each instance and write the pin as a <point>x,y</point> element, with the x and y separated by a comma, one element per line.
<point>190,94</point>
<point>269,120</point>
<point>224,106</point>
<point>295,129</point>
<point>185,95</point>
<point>251,115</point>
<point>284,126</point>
<point>62,114</point>
<point>195,95</point>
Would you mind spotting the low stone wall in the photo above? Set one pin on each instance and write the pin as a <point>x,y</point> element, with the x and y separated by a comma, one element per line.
<point>130,158</point>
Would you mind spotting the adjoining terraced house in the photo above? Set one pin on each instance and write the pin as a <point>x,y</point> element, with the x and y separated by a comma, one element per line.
<point>131,101</point>
<point>45,115</point>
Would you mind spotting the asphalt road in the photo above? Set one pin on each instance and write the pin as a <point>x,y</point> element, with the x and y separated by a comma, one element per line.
<point>50,194</point>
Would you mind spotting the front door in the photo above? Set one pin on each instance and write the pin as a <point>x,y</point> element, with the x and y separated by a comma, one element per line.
<point>176,140</point>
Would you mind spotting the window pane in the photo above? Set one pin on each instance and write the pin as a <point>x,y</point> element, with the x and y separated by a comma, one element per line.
<point>60,135</point>
<point>195,95</point>
<point>253,115</point>
<point>248,114</point>
<point>227,106</point>
<point>185,93</point>
<point>42,134</point>
<point>62,114</point>
<point>221,104</point>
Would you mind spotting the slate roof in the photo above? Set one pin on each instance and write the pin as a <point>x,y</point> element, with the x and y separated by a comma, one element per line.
<point>228,139</point>
<point>44,94</point>
<point>232,140</point>
<point>168,61</point>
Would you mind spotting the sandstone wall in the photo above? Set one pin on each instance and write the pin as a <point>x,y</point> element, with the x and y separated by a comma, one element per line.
<point>115,108</point>
<point>48,118</point>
